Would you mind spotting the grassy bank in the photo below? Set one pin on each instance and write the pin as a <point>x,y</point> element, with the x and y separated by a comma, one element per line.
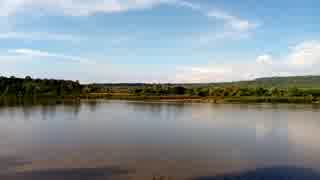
<point>296,100</point>
<point>13,100</point>
<point>184,98</point>
<point>266,90</point>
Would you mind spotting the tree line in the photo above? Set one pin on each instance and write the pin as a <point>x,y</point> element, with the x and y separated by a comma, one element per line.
<point>232,91</point>
<point>28,87</point>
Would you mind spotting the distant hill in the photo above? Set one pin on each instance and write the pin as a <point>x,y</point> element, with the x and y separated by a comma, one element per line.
<point>279,82</point>
<point>268,82</point>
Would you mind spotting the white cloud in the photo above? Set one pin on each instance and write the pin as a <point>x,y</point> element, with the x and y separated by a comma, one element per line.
<point>40,36</point>
<point>303,59</point>
<point>9,7</point>
<point>236,27</point>
<point>265,59</point>
<point>69,38</point>
<point>305,54</point>
<point>234,22</point>
<point>21,62</point>
<point>203,74</point>
<point>187,4</point>
<point>230,35</point>
<point>87,70</point>
<point>90,7</point>
<point>30,52</point>
<point>39,53</point>
<point>86,8</point>
<point>77,7</point>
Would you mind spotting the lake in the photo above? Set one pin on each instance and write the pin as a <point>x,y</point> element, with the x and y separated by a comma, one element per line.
<point>147,140</point>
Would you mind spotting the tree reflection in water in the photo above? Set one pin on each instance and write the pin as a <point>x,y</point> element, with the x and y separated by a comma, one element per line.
<point>272,173</point>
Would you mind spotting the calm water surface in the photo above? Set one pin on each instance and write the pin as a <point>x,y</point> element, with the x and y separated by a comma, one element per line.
<point>139,140</point>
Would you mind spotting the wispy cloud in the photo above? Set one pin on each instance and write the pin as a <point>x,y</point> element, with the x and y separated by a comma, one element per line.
<point>186,4</point>
<point>68,38</point>
<point>87,8</point>
<point>222,35</point>
<point>40,36</point>
<point>40,53</point>
<point>234,27</point>
<point>21,62</point>
<point>77,7</point>
<point>236,23</point>
<point>303,59</point>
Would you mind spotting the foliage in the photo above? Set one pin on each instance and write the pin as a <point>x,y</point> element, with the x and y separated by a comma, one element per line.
<point>28,87</point>
<point>260,90</point>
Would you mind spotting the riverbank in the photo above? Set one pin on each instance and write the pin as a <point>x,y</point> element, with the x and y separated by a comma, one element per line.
<point>209,99</point>
<point>19,89</point>
<point>12,100</point>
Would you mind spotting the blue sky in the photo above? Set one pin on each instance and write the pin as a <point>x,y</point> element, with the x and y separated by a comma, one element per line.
<point>159,40</point>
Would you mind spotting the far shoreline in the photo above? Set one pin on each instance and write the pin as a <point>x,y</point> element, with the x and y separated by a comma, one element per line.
<point>292,90</point>
<point>214,100</point>
<point>49,100</point>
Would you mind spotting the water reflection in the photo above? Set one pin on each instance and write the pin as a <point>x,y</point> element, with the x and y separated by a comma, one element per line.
<point>157,108</point>
<point>14,102</point>
<point>103,173</point>
<point>174,139</point>
<point>48,107</point>
<point>272,173</point>
<point>10,163</point>
<point>48,112</point>
<point>27,112</point>
<point>93,105</point>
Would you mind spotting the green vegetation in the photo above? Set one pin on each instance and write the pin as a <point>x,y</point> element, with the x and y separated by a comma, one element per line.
<point>299,89</point>
<point>278,82</point>
<point>304,89</point>
<point>28,87</point>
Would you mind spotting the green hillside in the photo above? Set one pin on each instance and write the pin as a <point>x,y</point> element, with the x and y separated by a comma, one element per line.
<point>278,82</point>
<point>267,82</point>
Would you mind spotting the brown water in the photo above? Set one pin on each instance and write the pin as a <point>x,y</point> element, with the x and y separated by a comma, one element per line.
<point>141,140</point>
